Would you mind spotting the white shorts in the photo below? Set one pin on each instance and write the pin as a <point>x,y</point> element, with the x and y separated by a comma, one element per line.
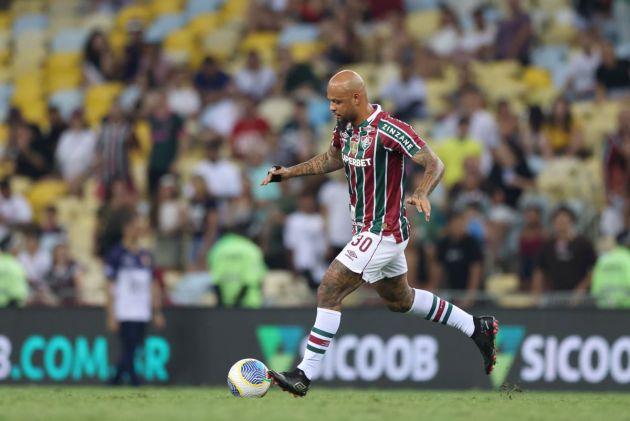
<point>374,256</point>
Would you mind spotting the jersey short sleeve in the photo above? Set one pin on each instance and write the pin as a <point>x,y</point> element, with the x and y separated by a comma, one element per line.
<point>112,264</point>
<point>399,136</point>
<point>336,137</point>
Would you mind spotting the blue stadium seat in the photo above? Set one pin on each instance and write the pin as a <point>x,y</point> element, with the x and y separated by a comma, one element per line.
<point>67,101</point>
<point>553,58</point>
<point>6,90</point>
<point>69,40</point>
<point>298,33</point>
<point>416,5</point>
<point>29,23</point>
<point>163,26</point>
<point>200,7</point>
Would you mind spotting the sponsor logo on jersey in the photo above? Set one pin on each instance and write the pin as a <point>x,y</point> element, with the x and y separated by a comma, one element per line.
<point>367,162</point>
<point>366,137</point>
<point>397,134</point>
<point>351,255</point>
<point>354,146</point>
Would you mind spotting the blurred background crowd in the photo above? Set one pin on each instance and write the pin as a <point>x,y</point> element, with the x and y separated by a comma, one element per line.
<point>173,110</point>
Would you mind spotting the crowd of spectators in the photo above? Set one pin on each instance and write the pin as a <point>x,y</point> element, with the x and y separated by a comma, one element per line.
<point>186,147</point>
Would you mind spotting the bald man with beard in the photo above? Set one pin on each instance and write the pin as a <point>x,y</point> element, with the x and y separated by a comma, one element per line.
<point>371,147</point>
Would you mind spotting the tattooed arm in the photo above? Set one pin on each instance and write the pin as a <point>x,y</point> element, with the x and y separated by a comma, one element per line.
<point>433,171</point>
<point>326,162</point>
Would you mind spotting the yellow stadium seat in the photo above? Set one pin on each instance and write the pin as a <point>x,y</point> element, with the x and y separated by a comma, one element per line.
<point>5,39</point>
<point>25,7</point>
<point>180,46</point>
<point>277,111</point>
<point>422,25</point>
<point>29,80</point>
<point>43,193</point>
<point>4,134</point>
<point>35,111</point>
<point>203,24</point>
<point>558,34</point>
<point>98,100</point>
<point>182,39</point>
<point>28,40</point>
<point>165,7</point>
<point>537,78</point>
<point>133,12</point>
<point>5,21</point>
<point>94,21</point>
<point>234,10</point>
<point>304,51</point>
<point>221,43</point>
<point>67,80</point>
<point>543,97</point>
<point>259,41</point>
<point>5,74</point>
<point>63,61</point>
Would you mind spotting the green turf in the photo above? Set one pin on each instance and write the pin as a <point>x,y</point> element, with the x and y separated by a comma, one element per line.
<point>149,404</point>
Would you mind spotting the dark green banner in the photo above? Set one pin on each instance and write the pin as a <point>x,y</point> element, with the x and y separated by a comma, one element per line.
<point>544,349</point>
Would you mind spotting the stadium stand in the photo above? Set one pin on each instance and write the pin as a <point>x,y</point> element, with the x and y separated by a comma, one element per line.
<point>53,60</point>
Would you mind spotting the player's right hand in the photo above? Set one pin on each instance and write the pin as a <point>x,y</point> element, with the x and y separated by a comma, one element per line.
<point>273,174</point>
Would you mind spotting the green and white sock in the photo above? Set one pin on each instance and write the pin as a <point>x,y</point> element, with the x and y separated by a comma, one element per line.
<point>433,308</point>
<point>326,325</point>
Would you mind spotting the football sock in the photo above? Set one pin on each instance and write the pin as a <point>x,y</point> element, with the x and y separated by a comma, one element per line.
<point>326,325</point>
<point>433,308</point>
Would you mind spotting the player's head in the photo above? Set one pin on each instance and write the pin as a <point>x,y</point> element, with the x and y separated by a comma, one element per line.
<point>347,95</point>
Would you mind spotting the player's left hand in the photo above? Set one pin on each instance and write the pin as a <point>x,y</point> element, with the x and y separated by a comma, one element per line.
<point>421,202</point>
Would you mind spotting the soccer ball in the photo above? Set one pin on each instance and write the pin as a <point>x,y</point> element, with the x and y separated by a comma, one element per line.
<point>248,379</point>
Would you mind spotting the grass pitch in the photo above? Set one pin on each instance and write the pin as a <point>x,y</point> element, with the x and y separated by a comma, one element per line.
<point>215,404</point>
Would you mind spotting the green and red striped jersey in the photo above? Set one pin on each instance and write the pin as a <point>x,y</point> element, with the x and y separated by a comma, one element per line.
<point>374,161</point>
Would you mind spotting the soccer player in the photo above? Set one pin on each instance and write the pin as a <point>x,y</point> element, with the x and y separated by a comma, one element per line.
<point>371,146</point>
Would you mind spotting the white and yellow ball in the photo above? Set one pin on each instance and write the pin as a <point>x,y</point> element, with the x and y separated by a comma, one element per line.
<point>248,379</point>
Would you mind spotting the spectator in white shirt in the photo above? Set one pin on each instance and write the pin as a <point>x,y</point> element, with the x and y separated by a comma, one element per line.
<point>255,79</point>
<point>304,240</point>
<point>222,176</point>
<point>76,151</point>
<point>36,263</point>
<point>479,39</point>
<point>446,40</point>
<point>183,98</point>
<point>334,202</point>
<point>582,67</point>
<point>14,211</point>
<point>220,116</point>
<point>408,94</point>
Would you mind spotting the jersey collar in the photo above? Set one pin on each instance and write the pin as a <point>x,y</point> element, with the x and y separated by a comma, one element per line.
<point>370,119</point>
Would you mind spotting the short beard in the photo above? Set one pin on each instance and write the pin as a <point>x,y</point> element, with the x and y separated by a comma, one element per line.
<point>342,123</point>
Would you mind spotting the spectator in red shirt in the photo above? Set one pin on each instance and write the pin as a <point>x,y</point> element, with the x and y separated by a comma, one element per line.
<point>249,131</point>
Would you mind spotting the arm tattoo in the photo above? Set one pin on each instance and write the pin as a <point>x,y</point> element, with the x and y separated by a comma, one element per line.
<point>433,170</point>
<point>326,162</point>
